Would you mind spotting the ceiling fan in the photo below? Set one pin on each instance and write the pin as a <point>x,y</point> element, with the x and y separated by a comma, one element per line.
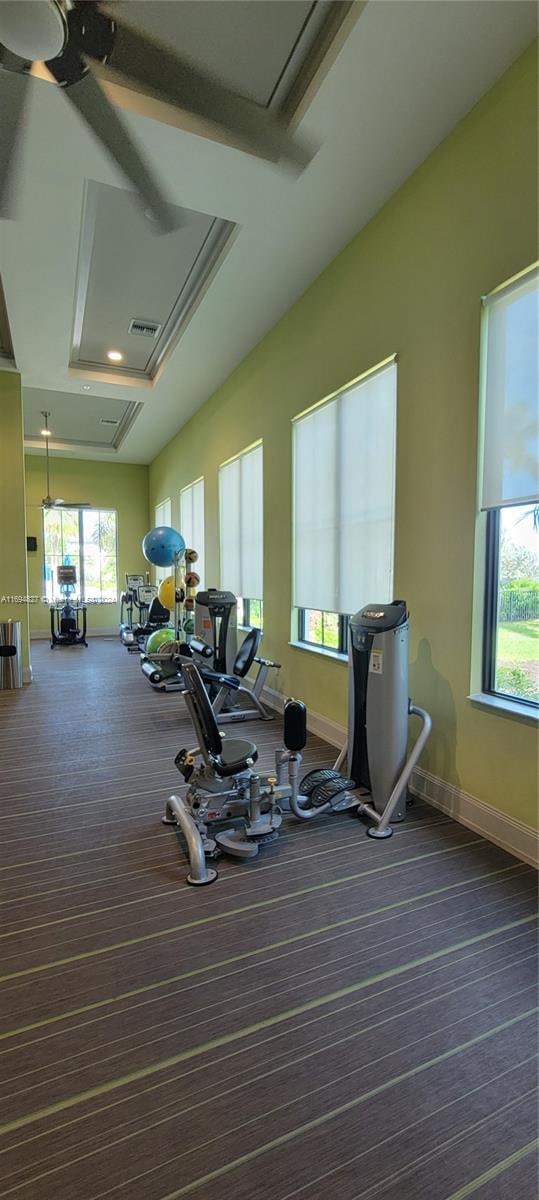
<point>72,37</point>
<point>48,501</point>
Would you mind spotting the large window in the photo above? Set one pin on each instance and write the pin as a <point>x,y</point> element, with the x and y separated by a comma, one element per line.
<point>192,521</point>
<point>241,531</point>
<point>163,516</point>
<point>344,501</point>
<point>86,539</point>
<point>510,488</point>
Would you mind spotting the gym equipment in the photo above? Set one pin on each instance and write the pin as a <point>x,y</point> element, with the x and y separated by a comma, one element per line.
<point>233,697</point>
<point>162,545</point>
<point>214,644</point>
<point>378,769</point>
<point>228,807</point>
<point>65,629</point>
<point>159,639</point>
<point>227,691</point>
<point>139,595</point>
<point>215,623</point>
<point>226,678</point>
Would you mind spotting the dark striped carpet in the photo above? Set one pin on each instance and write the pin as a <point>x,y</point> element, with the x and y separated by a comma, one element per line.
<point>340,1018</point>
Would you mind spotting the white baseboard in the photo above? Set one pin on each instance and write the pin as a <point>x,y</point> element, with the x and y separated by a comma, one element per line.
<point>514,836</point>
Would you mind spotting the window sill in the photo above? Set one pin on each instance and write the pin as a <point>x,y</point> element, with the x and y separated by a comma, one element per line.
<point>322,650</point>
<point>506,707</point>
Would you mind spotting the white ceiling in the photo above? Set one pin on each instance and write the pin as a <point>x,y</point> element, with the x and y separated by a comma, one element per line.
<point>226,37</point>
<point>74,422</point>
<point>130,273</point>
<point>408,71</point>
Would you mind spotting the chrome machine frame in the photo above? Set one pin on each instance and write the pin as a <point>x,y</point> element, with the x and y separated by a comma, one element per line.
<point>223,787</point>
<point>378,766</point>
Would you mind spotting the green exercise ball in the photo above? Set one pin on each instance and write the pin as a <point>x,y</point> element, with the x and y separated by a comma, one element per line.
<point>158,639</point>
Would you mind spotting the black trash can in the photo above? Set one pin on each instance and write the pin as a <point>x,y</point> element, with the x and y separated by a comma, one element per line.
<point>10,655</point>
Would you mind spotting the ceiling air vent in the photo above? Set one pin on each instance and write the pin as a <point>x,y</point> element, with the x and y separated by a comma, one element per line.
<point>108,421</point>
<point>144,328</point>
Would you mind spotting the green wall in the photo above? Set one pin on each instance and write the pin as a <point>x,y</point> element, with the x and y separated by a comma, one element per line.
<point>409,283</point>
<point>122,486</point>
<point>13,582</point>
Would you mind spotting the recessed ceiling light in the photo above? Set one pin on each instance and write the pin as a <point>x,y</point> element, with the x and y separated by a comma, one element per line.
<point>86,387</point>
<point>45,432</point>
<point>114,355</point>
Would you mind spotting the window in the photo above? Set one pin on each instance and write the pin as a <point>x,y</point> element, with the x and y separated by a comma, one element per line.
<point>192,521</point>
<point>86,539</point>
<point>510,489</point>
<point>250,613</point>
<point>511,642</point>
<point>327,630</point>
<point>163,516</point>
<point>344,502</point>
<point>241,531</point>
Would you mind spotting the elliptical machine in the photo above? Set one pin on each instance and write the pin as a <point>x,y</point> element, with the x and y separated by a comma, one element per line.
<point>151,614</point>
<point>377,766</point>
<point>65,629</point>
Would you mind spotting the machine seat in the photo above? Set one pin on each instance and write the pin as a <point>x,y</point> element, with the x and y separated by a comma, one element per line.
<point>238,754</point>
<point>157,613</point>
<point>226,756</point>
<point>246,653</point>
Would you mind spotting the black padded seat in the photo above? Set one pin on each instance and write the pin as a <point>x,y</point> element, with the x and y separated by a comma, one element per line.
<point>157,613</point>
<point>227,756</point>
<point>237,755</point>
<point>246,653</point>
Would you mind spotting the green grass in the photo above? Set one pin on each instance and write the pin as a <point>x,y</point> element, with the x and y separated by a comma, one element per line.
<point>517,669</point>
<point>518,641</point>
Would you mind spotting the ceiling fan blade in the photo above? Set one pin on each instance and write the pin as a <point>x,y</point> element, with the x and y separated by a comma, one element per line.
<point>48,502</point>
<point>90,101</point>
<point>178,82</point>
<point>12,105</point>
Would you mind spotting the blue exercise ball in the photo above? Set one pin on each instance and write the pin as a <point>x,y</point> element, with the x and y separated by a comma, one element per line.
<point>161,545</point>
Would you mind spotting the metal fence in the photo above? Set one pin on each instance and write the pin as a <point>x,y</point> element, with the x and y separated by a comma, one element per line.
<point>518,604</point>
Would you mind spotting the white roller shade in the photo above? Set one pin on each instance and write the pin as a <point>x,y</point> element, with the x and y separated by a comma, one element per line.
<point>344,497</point>
<point>192,521</point>
<point>163,516</point>
<point>163,513</point>
<point>241,524</point>
<point>509,375</point>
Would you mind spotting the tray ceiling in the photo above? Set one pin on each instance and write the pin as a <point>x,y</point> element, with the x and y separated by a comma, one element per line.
<point>397,84</point>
